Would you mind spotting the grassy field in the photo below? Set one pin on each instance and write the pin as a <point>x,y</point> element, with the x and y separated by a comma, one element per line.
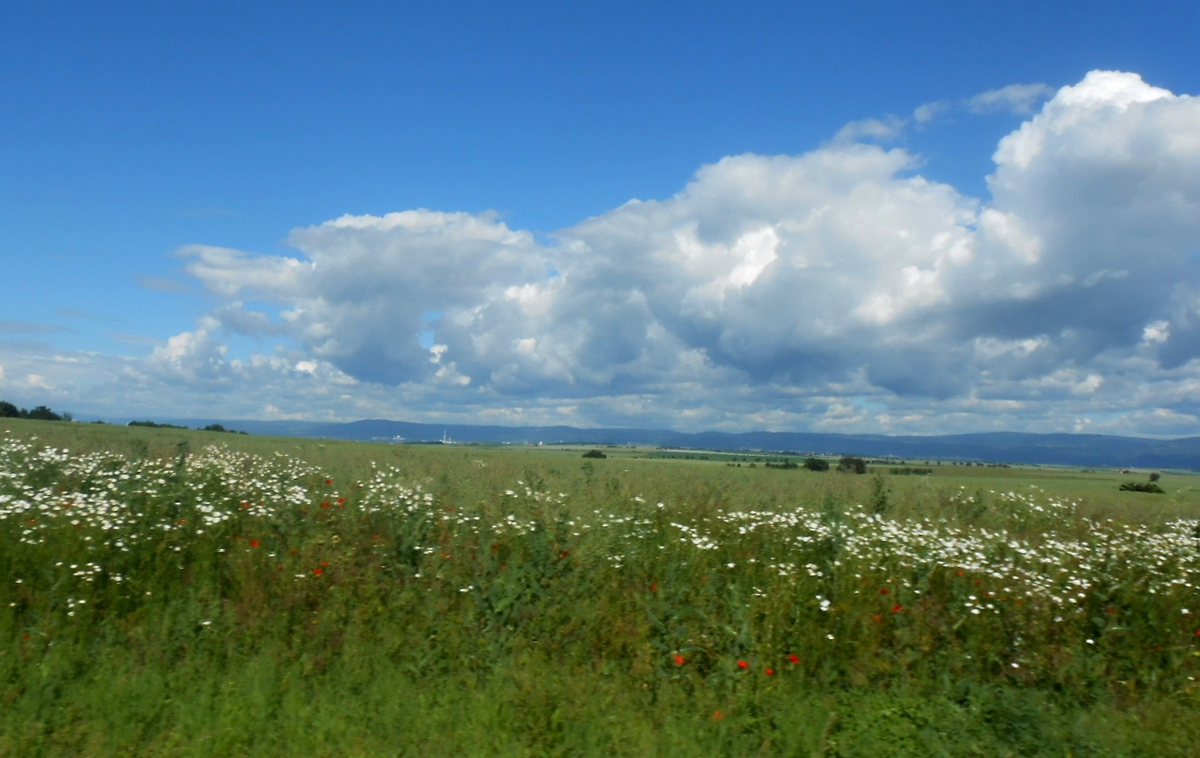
<point>170,592</point>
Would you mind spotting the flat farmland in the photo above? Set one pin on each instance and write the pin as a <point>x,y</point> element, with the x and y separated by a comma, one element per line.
<point>173,592</point>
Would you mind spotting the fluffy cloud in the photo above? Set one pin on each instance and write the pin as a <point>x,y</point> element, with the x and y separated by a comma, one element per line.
<point>835,290</point>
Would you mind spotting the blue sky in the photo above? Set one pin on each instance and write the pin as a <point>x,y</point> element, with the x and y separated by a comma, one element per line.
<point>170,174</point>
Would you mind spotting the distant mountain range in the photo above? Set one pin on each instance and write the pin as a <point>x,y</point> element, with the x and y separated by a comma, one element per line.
<point>997,447</point>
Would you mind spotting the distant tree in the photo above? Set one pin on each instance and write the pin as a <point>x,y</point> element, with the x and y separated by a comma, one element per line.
<point>851,465</point>
<point>594,454</point>
<point>42,413</point>
<point>816,464</point>
<point>1154,477</point>
<point>8,410</point>
<point>215,428</point>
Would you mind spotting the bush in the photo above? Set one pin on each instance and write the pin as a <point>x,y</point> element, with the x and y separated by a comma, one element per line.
<point>816,464</point>
<point>594,454</point>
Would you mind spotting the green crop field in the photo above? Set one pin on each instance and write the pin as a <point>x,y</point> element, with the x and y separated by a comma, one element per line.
<point>184,593</point>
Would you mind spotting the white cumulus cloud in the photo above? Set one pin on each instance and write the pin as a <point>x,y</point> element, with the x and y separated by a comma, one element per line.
<point>836,289</point>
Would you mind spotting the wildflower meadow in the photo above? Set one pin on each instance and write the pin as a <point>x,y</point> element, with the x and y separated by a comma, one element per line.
<point>165,592</point>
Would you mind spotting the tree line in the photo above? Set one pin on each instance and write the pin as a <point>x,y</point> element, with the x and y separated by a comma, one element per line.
<point>43,413</point>
<point>40,413</point>
<point>209,428</point>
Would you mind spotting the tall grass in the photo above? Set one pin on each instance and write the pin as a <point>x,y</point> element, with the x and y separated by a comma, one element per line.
<point>184,599</point>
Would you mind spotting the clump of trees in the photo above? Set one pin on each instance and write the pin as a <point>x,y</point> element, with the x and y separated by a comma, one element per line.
<point>1149,486</point>
<point>851,465</point>
<point>1142,487</point>
<point>784,465</point>
<point>594,454</point>
<point>40,413</point>
<point>910,471</point>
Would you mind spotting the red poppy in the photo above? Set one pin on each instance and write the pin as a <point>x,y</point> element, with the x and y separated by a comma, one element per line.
<point>718,716</point>
<point>329,481</point>
<point>254,543</point>
<point>794,658</point>
<point>324,563</point>
<point>325,505</point>
<point>743,665</point>
<point>317,572</point>
<point>341,500</point>
<point>897,608</point>
<point>1112,610</point>
<point>883,590</point>
<point>680,660</point>
<point>769,672</point>
<point>654,586</point>
<point>959,572</point>
<point>245,504</point>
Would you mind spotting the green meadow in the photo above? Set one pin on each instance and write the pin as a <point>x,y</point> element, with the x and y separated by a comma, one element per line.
<point>166,592</point>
